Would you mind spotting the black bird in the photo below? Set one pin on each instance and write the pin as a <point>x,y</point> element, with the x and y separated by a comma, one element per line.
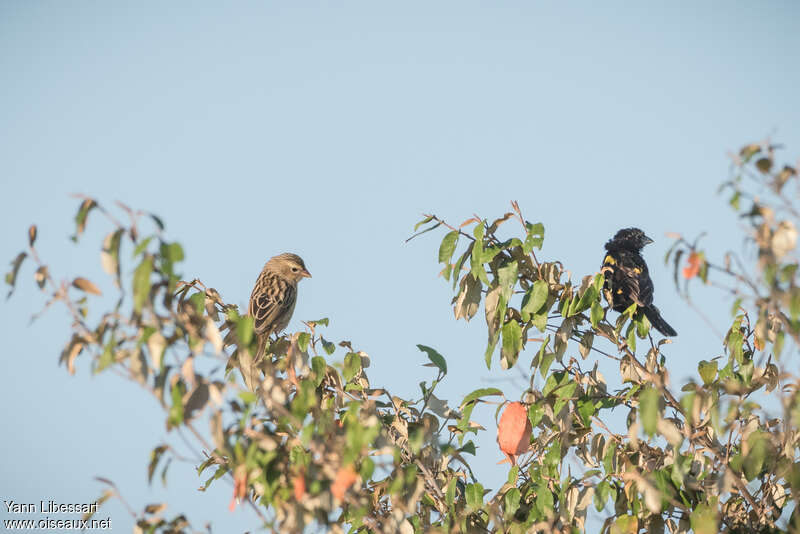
<point>626,277</point>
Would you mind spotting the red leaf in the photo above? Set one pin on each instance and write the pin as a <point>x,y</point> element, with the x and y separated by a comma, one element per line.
<point>299,486</point>
<point>693,266</point>
<point>344,479</point>
<point>514,431</point>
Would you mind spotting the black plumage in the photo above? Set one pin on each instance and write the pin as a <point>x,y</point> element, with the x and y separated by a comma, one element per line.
<point>627,279</point>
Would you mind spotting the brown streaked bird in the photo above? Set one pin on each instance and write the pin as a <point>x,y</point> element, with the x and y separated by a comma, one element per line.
<point>275,293</point>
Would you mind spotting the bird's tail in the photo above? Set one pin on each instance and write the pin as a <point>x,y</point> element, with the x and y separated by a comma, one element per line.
<point>652,313</point>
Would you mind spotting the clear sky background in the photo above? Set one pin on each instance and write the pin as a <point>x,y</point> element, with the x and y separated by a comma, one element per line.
<point>327,129</point>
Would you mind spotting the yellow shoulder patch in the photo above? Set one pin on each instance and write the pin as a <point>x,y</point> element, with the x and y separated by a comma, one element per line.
<point>637,270</point>
<point>609,260</point>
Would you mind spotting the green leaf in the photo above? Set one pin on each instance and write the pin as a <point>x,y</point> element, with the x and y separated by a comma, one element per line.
<point>537,360</point>
<point>367,468</point>
<point>329,347</point>
<point>319,367</point>
<point>544,499</point>
<point>460,263</point>
<point>479,231</point>
<point>630,337</point>
<point>304,399</point>
<point>352,365</point>
<point>589,296</point>
<point>601,492</point>
<point>11,276</point>
<point>642,325</point>
<point>586,409</point>
<point>734,343</point>
<point>511,502</point>
<point>512,343</point>
<point>436,358</point>
<point>447,271</point>
<point>556,380</point>
<point>468,448</point>
<point>426,220</point>
<point>649,409</point>
<point>534,238</point>
<point>173,252</point>
<point>534,298</point>
<point>198,300</point>
<point>479,393</point>
<point>540,321</point>
<point>535,413</point>
<point>703,519</point>
<point>142,246</point>
<point>83,212</point>
<point>545,362</point>
<point>489,253</point>
<point>474,495</point>
<point>608,460</point>
<point>450,496</point>
<point>487,356</point>
<point>466,413</point>
<point>244,329</point>
<point>513,473</point>
<point>597,313</point>
<point>141,283</point>
<point>107,357</point>
<point>448,246</point>
<point>507,277</point>
<point>303,340</point>
<point>476,267</point>
<point>708,370</point>
<point>155,457</point>
<point>626,524</point>
<point>754,460</point>
<point>175,417</point>
<point>248,397</point>
<point>794,304</point>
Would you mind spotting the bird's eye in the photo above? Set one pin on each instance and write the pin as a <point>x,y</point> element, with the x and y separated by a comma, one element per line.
<point>295,269</point>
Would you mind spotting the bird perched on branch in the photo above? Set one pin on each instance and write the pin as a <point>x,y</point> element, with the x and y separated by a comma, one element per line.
<point>626,277</point>
<point>275,293</point>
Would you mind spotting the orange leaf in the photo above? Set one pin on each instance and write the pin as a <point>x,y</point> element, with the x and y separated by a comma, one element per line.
<point>693,266</point>
<point>514,431</point>
<point>299,486</point>
<point>468,221</point>
<point>344,479</point>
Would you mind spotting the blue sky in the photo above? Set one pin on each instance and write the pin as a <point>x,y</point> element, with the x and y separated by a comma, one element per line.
<point>327,130</point>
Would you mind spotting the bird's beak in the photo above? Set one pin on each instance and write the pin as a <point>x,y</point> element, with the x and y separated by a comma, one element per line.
<point>305,273</point>
<point>646,242</point>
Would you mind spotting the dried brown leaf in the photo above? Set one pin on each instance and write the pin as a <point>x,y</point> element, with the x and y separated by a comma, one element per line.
<point>87,286</point>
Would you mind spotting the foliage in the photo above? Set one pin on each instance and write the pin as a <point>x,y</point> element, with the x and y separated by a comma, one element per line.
<point>310,444</point>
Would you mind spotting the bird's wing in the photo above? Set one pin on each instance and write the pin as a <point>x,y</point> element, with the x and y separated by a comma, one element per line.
<point>633,274</point>
<point>627,279</point>
<point>270,299</point>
